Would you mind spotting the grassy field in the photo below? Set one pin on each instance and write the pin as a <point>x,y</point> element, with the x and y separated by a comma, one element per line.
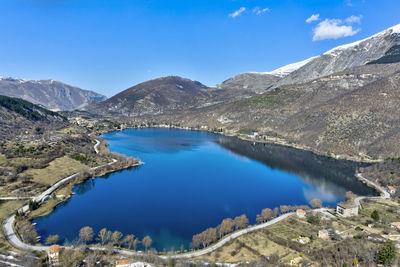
<point>250,247</point>
<point>56,170</point>
<point>3,159</point>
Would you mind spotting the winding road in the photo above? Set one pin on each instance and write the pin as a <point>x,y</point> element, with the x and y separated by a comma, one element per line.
<point>384,195</point>
<point>8,226</point>
<point>16,242</point>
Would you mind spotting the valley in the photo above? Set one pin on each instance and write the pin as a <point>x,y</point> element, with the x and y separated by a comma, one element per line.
<point>251,172</point>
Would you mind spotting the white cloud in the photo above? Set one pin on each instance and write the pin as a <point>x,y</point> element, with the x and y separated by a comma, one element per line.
<point>333,29</point>
<point>354,19</point>
<point>314,17</point>
<point>349,3</point>
<point>258,11</point>
<point>237,12</point>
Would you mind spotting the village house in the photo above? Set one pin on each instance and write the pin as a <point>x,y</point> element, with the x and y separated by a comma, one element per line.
<point>54,252</point>
<point>296,261</point>
<point>303,240</point>
<point>129,263</point>
<point>301,213</point>
<point>253,135</point>
<point>323,234</point>
<point>123,263</point>
<point>391,190</point>
<point>395,225</point>
<point>345,209</point>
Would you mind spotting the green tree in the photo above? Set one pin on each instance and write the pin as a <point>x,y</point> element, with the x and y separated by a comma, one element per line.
<point>313,219</point>
<point>375,215</point>
<point>387,253</point>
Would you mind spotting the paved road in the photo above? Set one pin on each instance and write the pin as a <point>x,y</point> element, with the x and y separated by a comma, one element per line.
<point>210,248</point>
<point>15,241</point>
<point>384,195</point>
<point>15,198</point>
<point>8,226</point>
<point>96,146</point>
<point>231,237</point>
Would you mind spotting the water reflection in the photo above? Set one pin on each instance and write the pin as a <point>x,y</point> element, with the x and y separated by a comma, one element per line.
<point>325,174</point>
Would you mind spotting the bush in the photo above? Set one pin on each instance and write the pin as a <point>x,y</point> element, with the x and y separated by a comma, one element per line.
<point>387,253</point>
<point>313,219</point>
<point>375,215</point>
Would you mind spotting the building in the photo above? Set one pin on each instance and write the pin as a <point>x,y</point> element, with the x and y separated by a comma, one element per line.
<point>391,190</point>
<point>396,225</point>
<point>303,240</point>
<point>301,213</point>
<point>296,261</point>
<point>54,252</point>
<point>323,234</point>
<point>123,263</point>
<point>345,209</point>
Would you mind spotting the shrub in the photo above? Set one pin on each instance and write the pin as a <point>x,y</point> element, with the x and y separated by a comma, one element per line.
<point>375,215</point>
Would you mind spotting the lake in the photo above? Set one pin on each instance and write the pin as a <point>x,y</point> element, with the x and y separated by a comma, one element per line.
<point>192,180</point>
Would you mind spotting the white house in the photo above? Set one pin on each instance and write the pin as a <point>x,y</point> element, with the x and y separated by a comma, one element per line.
<point>345,209</point>
<point>391,190</point>
<point>301,213</point>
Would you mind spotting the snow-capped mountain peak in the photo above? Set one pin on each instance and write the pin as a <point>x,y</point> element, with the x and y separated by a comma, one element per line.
<point>285,70</point>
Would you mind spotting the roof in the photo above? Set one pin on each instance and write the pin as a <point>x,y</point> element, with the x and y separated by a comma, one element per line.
<point>301,211</point>
<point>122,262</point>
<point>54,249</point>
<point>396,224</point>
<point>347,205</point>
<point>391,188</point>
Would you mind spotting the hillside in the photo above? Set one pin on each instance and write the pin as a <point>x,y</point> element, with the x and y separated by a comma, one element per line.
<point>18,117</point>
<point>379,48</point>
<point>50,94</point>
<point>257,82</point>
<point>349,113</point>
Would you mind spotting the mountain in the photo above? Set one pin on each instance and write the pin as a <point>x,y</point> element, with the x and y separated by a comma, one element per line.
<point>51,94</point>
<point>18,116</point>
<point>346,56</point>
<point>154,97</point>
<point>383,47</point>
<point>352,113</point>
<point>257,82</point>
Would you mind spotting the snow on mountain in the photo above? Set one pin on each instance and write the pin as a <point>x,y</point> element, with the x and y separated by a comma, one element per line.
<point>285,70</point>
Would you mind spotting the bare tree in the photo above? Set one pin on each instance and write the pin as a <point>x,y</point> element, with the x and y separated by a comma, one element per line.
<point>27,231</point>
<point>146,242</point>
<point>349,195</point>
<point>135,242</point>
<point>128,241</point>
<point>115,238</point>
<point>275,212</point>
<point>266,214</point>
<point>104,236</point>
<point>316,203</point>
<point>284,208</point>
<point>86,234</point>
<point>225,227</point>
<point>51,239</point>
<point>241,221</point>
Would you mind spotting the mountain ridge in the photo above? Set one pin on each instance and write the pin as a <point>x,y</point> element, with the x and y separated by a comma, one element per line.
<point>52,94</point>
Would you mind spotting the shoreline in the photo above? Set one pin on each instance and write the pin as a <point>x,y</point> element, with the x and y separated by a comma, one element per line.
<point>20,244</point>
<point>244,137</point>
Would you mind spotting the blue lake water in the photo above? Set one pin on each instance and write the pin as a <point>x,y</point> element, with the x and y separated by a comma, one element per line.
<point>192,180</point>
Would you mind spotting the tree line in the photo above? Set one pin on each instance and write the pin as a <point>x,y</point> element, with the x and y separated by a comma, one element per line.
<point>211,235</point>
<point>229,225</point>
<point>107,238</point>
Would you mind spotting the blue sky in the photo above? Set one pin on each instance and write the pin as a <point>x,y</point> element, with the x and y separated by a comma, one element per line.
<point>110,45</point>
